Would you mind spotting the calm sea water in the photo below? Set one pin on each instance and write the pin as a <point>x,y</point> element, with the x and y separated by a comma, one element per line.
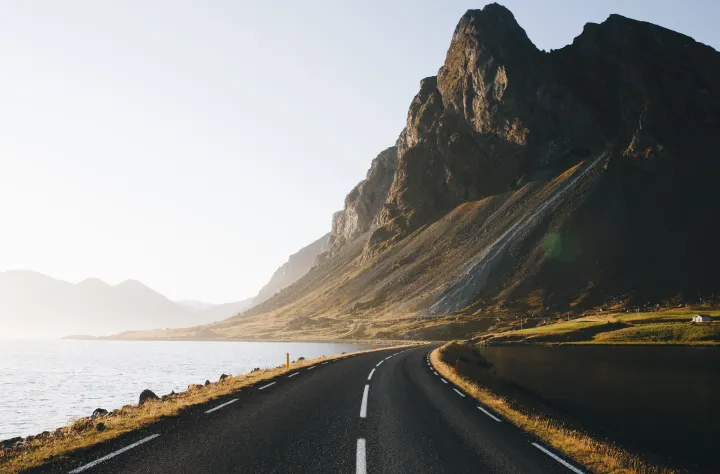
<point>662,400</point>
<point>44,384</point>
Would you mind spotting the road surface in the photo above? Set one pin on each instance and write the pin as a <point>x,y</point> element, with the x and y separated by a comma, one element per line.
<point>381,412</point>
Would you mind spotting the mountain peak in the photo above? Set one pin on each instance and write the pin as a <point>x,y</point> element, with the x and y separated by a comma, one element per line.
<point>94,282</point>
<point>134,285</point>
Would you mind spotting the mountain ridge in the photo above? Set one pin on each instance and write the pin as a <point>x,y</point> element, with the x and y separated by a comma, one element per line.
<point>527,183</point>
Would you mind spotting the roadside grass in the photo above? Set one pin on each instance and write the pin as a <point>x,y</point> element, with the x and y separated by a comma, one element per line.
<point>83,432</point>
<point>672,327</point>
<point>597,456</point>
<point>664,333</point>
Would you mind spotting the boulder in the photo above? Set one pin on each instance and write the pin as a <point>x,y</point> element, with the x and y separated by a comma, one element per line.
<point>100,427</point>
<point>223,377</point>
<point>146,395</point>
<point>10,442</point>
<point>207,382</point>
<point>99,412</point>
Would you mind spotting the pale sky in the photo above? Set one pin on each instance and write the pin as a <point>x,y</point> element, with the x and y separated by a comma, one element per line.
<point>194,145</point>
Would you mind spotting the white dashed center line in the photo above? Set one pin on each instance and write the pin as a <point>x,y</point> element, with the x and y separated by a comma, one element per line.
<point>266,386</point>
<point>371,374</point>
<point>378,364</point>
<point>293,375</point>
<point>220,406</point>
<point>558,459</point>
<point>310,368</point>
<point>360,464</point>
<point>490,414</point>
<point>112,455</point>
<point>363,405</point>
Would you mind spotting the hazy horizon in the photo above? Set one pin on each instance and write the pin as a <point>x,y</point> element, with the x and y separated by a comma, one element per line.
<point>194,147</point>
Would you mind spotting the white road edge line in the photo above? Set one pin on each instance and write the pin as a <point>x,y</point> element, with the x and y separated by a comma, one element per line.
<point>266,386</point>
<point>371,374</point>
<point>324,363</point>
<point>459,392</point>
<point>558,459</point>
<point>112,455</point>
<point>310,368</point>
<point>378,364</point>
<point>443,380</point>
<point>435,373</point>
<point>490,414</point>
<point>220,406</point>
<point>293,375</point>
<point>360,464</point>
<point>363,405</point>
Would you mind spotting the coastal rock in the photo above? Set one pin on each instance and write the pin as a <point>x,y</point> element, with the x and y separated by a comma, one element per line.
<point>99,412</point>
<point>146,395</point>
<point>207,382</point>
<point>10,442</point>
<point>223,377</point>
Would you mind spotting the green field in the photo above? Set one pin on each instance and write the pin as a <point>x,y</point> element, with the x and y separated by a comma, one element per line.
<point>672,327</point>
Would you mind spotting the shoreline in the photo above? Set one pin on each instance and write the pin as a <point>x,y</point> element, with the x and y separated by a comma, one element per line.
<point>377,342</point>
<point>20,453</point>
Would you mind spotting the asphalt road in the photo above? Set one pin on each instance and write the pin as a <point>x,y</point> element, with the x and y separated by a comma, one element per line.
<point>334,418</point>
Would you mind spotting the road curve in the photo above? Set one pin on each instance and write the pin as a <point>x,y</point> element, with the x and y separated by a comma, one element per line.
<point>381,412</point>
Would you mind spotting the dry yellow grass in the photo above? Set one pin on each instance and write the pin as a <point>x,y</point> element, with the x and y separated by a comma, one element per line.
<point>597,456</point>
<point>82,432</point>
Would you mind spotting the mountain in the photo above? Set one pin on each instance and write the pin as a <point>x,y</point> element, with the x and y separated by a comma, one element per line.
<point>35,305</point>
<point>526,183</point>
<point>298,265</point>
<point>220,312</point>
<point>194,306</point>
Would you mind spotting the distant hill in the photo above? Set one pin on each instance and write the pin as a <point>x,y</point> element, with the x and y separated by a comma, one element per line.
<point>195,306</point>
<point>220,312</point>
<point>36,305</point>
<point>297,266</point>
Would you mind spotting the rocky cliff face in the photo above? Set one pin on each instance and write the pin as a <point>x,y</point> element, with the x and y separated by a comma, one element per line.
<point>363,203</point>
<point>501,112</point>
<point>298,264</point>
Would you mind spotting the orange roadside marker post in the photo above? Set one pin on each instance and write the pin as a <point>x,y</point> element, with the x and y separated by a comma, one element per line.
<point>287,360</point>
<point>457,366</point>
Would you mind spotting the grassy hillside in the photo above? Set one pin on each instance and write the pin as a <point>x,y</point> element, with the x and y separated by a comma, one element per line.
<point>672,327</point>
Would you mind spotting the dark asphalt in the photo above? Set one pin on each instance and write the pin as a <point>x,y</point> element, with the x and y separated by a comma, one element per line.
<point>311,423</point>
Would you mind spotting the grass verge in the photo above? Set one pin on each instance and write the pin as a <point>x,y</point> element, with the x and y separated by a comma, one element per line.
<point>597,456</point>
<point>83,432</point>
<point>671,327</point>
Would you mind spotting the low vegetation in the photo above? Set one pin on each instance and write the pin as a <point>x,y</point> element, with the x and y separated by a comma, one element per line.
<point>597,456</point>
<point>88,431</point>
<point>672,327</point>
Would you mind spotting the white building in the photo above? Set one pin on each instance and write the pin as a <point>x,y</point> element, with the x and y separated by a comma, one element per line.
<point>701,318</point>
